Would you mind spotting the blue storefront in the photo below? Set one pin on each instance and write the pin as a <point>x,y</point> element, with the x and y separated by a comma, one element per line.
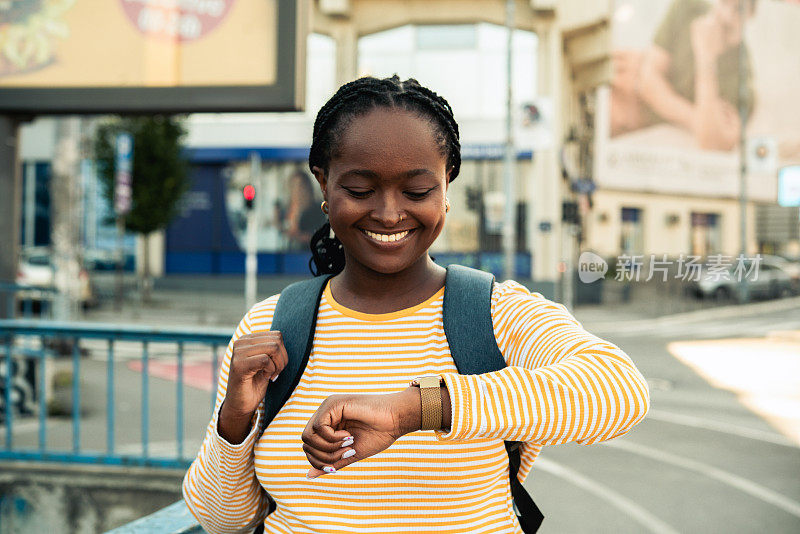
<point>207,235</point>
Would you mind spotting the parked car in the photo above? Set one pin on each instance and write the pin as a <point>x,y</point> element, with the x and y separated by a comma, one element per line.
<point>100,260</point>
<point>36,271</point>
<point>775,277</point>
<point>789,266</point>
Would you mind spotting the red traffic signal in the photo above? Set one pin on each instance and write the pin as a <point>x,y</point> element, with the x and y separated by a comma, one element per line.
<point>249,193</point>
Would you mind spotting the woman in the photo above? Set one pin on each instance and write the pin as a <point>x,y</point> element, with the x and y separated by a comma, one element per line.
<point>303,216</point>
<point>690,75</point>
<point>345,453</point>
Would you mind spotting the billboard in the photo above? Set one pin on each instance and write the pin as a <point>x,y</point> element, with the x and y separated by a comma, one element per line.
<point>89,56</point>
<point>789,186</point>
<point>680,86</point>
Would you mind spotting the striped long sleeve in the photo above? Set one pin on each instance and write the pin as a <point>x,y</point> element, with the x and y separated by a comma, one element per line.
<point>562,383</point>
<point>220,488</point>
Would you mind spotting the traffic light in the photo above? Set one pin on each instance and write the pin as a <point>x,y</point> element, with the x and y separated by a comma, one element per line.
<point>249,193</point>
<point>569,212</point>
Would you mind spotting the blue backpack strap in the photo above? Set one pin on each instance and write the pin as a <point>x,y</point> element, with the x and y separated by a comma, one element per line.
<point>467,317</point>
<point>295,317</point>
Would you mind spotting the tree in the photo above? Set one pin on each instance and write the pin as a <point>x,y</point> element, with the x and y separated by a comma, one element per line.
<point>159,173</point>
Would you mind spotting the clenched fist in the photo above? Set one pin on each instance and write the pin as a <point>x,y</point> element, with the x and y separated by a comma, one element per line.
<point>257,360</point>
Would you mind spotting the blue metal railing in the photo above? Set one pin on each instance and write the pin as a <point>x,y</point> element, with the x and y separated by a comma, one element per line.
<point>22,298</point>
<point>30,344</point>
<point>173,519</point>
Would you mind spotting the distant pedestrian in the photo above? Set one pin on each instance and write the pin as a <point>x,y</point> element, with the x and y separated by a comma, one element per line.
<point>303,215</point>
<point>346,452</point>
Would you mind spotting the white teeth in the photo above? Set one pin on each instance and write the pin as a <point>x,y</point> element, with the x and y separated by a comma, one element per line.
<point>386,238</point>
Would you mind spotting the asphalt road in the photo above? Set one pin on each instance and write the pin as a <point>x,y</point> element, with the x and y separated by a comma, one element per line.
<point>707,458</point>
<point>701,461</point>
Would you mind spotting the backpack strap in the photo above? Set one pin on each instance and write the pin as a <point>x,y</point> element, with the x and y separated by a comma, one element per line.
<point>467,317</point>
<point>295,317</point>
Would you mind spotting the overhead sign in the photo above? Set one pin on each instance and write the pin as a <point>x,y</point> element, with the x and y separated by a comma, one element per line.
<point>789,186</point>
<point>123,180</point>
<point>85,56</point>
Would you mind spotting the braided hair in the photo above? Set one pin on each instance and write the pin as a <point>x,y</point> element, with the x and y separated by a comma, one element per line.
<point>358,98</point>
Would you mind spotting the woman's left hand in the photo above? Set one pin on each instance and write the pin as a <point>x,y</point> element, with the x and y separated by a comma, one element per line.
<point>348,428</point>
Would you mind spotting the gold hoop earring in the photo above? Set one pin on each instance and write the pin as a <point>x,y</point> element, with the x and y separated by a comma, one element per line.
<point>446,205</point>
<point>324,207</point>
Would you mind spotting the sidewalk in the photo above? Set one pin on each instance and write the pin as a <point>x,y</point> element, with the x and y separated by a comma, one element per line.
<point>218,301</point>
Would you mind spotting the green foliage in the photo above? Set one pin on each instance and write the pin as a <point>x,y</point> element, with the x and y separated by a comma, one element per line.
<point>159,173</point>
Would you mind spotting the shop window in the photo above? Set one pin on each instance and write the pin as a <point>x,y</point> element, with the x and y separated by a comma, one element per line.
<point>706,235</point>
<point>632,232</point>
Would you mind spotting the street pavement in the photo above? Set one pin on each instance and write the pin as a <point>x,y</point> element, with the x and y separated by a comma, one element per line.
<point>718,452</point>
<point>707,458</point>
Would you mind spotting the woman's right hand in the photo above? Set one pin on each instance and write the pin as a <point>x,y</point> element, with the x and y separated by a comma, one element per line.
<point>257,359</point>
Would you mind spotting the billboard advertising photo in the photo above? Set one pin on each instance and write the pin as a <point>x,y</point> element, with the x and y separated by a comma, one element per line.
<point>151,55</point>
<point>681,86</point>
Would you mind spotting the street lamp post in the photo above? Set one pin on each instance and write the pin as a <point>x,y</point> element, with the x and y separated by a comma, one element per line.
<point>509,217</point>
<point>742,151</point>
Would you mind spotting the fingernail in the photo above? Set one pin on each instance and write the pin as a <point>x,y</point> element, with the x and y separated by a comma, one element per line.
<point>347,442</point>
<point>274,378</point>
<point>329,469</point>
<point>348,454</point>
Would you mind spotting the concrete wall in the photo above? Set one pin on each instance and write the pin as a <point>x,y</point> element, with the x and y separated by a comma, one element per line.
<point>80,499</point>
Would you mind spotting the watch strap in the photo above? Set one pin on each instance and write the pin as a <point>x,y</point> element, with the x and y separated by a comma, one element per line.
<point>431,400</point>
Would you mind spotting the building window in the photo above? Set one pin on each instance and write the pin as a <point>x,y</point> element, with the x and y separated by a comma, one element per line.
<point>463,63</point>
<point>631,232</point>
<point>706,236</point>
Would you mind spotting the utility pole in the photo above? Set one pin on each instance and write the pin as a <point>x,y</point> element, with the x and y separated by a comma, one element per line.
<point>251,258</point>
<point>509,219</point>
<point>745,290</point>
<point>65,192</point>
<point>10,186</point>
<point>123,180</point>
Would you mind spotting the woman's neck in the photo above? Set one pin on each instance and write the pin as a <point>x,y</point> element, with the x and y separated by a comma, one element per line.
<point>369,291</point>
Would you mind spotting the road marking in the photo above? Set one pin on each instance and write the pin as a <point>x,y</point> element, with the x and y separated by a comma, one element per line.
<point>622,503</point>
<point>710,329</point>
<point>717,312</point>
<point>195,374</point>
<point>751,488</point>
<point>763,373</point>
<point>719,426</point>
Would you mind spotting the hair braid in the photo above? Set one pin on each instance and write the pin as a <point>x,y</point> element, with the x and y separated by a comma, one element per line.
<point>358,98</point>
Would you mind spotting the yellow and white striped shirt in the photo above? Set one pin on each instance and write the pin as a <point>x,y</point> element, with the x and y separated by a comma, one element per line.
<point>562,384</point>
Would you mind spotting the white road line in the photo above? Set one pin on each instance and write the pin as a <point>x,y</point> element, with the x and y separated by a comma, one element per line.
<point>622,503</point>
<point>757,328</point>
<point>719,426</point>
<point>739,311</point>
<point>751,488</point>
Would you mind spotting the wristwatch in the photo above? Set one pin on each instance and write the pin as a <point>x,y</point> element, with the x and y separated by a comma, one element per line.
<point>431,397</point>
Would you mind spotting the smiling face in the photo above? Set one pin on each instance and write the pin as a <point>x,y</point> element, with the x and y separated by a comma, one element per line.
<point>385,186</point>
